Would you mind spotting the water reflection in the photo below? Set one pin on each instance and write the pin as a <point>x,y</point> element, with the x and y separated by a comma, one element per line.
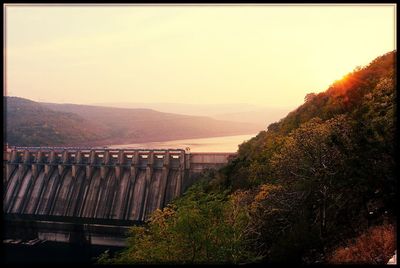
<point>215,144</point>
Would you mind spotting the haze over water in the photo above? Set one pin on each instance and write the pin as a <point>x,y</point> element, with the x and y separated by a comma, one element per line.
<point>216,144</point>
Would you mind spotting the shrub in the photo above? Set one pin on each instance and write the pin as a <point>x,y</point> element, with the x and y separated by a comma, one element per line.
<point>375,246</point>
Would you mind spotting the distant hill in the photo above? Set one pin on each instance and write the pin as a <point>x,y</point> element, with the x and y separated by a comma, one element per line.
<point>32,123</point>
<point>187,109</point>
<point>29,123</point>
<point>236,112</point>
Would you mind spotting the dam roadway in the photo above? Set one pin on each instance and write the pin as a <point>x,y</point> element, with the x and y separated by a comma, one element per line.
<point>93,195</point>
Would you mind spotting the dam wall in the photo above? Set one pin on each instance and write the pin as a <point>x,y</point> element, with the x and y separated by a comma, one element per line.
<point>95,194</point>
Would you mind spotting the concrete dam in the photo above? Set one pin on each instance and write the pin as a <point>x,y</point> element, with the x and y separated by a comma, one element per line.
<point>93,195</point>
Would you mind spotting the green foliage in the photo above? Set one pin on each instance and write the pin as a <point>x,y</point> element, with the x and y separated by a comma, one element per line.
<point>314,161</point>
<point>200,227</point>
<point>318,177</point>
<point>335,157</point>
<point>366,97</point>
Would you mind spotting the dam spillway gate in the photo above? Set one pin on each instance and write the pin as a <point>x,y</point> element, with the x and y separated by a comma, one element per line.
<point>94,195</point>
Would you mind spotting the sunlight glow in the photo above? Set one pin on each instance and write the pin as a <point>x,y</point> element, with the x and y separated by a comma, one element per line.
<point>261,54</point>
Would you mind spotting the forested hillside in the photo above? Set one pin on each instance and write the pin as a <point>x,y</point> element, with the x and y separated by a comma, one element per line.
<point>318,187</point>
<point>124,125</point>
<point>30,123</point>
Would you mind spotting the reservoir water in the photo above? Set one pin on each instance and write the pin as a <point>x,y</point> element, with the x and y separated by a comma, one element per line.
<point>214,144</point>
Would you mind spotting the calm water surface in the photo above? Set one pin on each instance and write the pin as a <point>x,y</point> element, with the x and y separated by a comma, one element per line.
<point>216,144</point>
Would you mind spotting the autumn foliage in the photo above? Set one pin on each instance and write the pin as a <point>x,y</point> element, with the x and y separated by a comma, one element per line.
<point>375,246</point>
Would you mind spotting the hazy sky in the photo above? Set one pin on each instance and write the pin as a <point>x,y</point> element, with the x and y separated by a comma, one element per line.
<point>261,54</point>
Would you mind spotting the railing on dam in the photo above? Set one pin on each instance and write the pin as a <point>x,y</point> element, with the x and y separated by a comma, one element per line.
<point>98,186</point>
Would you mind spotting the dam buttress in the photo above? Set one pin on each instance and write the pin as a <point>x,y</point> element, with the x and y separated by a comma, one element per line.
<point>93,195</point>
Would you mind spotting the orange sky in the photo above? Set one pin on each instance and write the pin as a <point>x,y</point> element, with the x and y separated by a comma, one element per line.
<point>266,55</point>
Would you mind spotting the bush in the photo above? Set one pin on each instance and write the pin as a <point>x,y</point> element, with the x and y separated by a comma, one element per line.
<point>375,246</point>
<point>200,227</point>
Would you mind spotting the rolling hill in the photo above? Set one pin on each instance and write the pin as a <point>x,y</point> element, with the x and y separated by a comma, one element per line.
<point>236,112</point>
<point>32,123</point>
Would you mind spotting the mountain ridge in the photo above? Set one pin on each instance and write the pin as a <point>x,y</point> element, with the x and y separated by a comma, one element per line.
<point>98,125</point>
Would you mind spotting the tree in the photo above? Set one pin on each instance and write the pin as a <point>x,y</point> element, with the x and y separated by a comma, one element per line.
<point>314,158</point>
<point>200,227</point>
